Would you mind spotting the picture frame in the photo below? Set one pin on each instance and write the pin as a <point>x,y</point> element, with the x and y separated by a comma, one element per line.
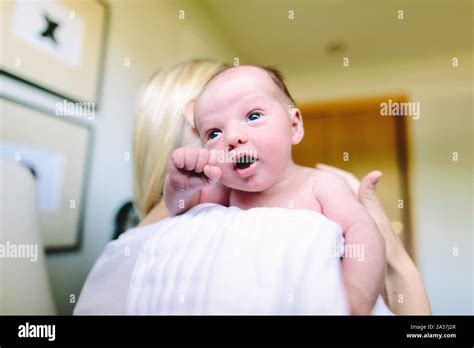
<point>56,46</point>
<point>57,150</point>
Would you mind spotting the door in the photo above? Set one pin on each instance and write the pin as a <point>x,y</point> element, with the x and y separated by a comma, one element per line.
<point>353,136</point>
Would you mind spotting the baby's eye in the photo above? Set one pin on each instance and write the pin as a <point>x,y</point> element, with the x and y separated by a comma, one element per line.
<point>213,134</point>
<point>254,116</point>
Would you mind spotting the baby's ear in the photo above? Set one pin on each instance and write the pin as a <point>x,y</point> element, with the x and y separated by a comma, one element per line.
<point>188,112</point>
<point>297,129</point>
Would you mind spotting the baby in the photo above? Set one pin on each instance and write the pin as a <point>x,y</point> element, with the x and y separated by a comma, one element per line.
<point>247,124</point>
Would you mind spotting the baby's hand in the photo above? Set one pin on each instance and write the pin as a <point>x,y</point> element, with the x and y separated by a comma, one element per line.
<point>192,169</point>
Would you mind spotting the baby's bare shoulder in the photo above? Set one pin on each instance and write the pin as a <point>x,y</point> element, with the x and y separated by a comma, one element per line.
<point>317,178</point>
<point>324,181</point>
<point>324,176</point>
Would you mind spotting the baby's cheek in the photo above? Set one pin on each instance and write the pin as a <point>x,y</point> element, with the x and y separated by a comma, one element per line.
<point>278,148</point>
<point>277,154</point>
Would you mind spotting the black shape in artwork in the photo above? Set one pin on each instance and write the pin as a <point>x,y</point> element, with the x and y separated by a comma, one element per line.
<point>50,29</point>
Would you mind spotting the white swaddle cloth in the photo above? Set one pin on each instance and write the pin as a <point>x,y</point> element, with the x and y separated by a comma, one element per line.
<point>224,260</point>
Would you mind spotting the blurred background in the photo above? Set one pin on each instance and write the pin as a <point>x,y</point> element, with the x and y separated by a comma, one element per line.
<point>342,61</point>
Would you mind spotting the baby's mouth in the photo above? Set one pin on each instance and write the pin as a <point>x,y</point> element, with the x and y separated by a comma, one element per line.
<point>245,162</point>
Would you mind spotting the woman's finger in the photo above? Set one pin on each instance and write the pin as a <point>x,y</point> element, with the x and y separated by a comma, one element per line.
<point>369,199</point>
<point>367,186</point>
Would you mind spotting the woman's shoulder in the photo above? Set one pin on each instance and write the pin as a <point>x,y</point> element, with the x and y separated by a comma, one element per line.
<point>106,286</point>
<point>132,238</point>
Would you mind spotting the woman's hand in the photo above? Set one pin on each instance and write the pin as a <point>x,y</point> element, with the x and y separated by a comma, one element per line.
<point>404,288</point>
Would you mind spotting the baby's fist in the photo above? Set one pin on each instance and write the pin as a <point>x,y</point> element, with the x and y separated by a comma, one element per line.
<point>192,169</point>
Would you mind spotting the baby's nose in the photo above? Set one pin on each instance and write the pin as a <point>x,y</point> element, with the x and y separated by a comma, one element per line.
<point>236,138</point>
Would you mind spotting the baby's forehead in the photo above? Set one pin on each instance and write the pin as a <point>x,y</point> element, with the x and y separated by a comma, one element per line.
<point>230,85</point>
<point>243,72</point>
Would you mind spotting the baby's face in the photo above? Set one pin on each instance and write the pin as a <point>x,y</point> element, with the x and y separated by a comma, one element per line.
<point>242,114</point>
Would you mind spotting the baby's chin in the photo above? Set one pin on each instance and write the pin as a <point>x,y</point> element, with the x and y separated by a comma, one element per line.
<point>252,184</point>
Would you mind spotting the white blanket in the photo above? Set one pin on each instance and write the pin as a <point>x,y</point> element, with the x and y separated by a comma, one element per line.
<point>219,260</point>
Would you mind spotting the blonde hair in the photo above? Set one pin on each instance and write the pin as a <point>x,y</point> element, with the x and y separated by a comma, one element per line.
<point>159,125</point>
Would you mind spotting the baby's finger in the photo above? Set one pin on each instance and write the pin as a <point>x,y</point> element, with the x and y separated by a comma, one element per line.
<point>178,159</point>
<point>197,182</point>
<point>191,158</point>
<point>203,158</point>
<point>213,173</point>
<point>213,157</point>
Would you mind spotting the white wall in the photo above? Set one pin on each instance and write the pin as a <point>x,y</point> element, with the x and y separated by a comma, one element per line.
<point>441,190</point>
<point>151,35</point>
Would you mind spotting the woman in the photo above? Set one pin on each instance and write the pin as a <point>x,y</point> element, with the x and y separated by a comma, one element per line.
<point>164,123</point>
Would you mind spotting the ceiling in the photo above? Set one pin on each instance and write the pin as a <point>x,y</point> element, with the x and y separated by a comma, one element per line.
<point>323,32</point>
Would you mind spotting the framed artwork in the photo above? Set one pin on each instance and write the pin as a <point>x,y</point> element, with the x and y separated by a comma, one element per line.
<point>55,45</point>
<point>56,150</point>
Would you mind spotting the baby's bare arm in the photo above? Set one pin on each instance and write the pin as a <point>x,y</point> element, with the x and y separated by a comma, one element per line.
<point>364,260</point>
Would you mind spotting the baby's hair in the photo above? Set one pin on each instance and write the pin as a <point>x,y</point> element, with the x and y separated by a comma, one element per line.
<point>278,79</point>
<point>273,73</point>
